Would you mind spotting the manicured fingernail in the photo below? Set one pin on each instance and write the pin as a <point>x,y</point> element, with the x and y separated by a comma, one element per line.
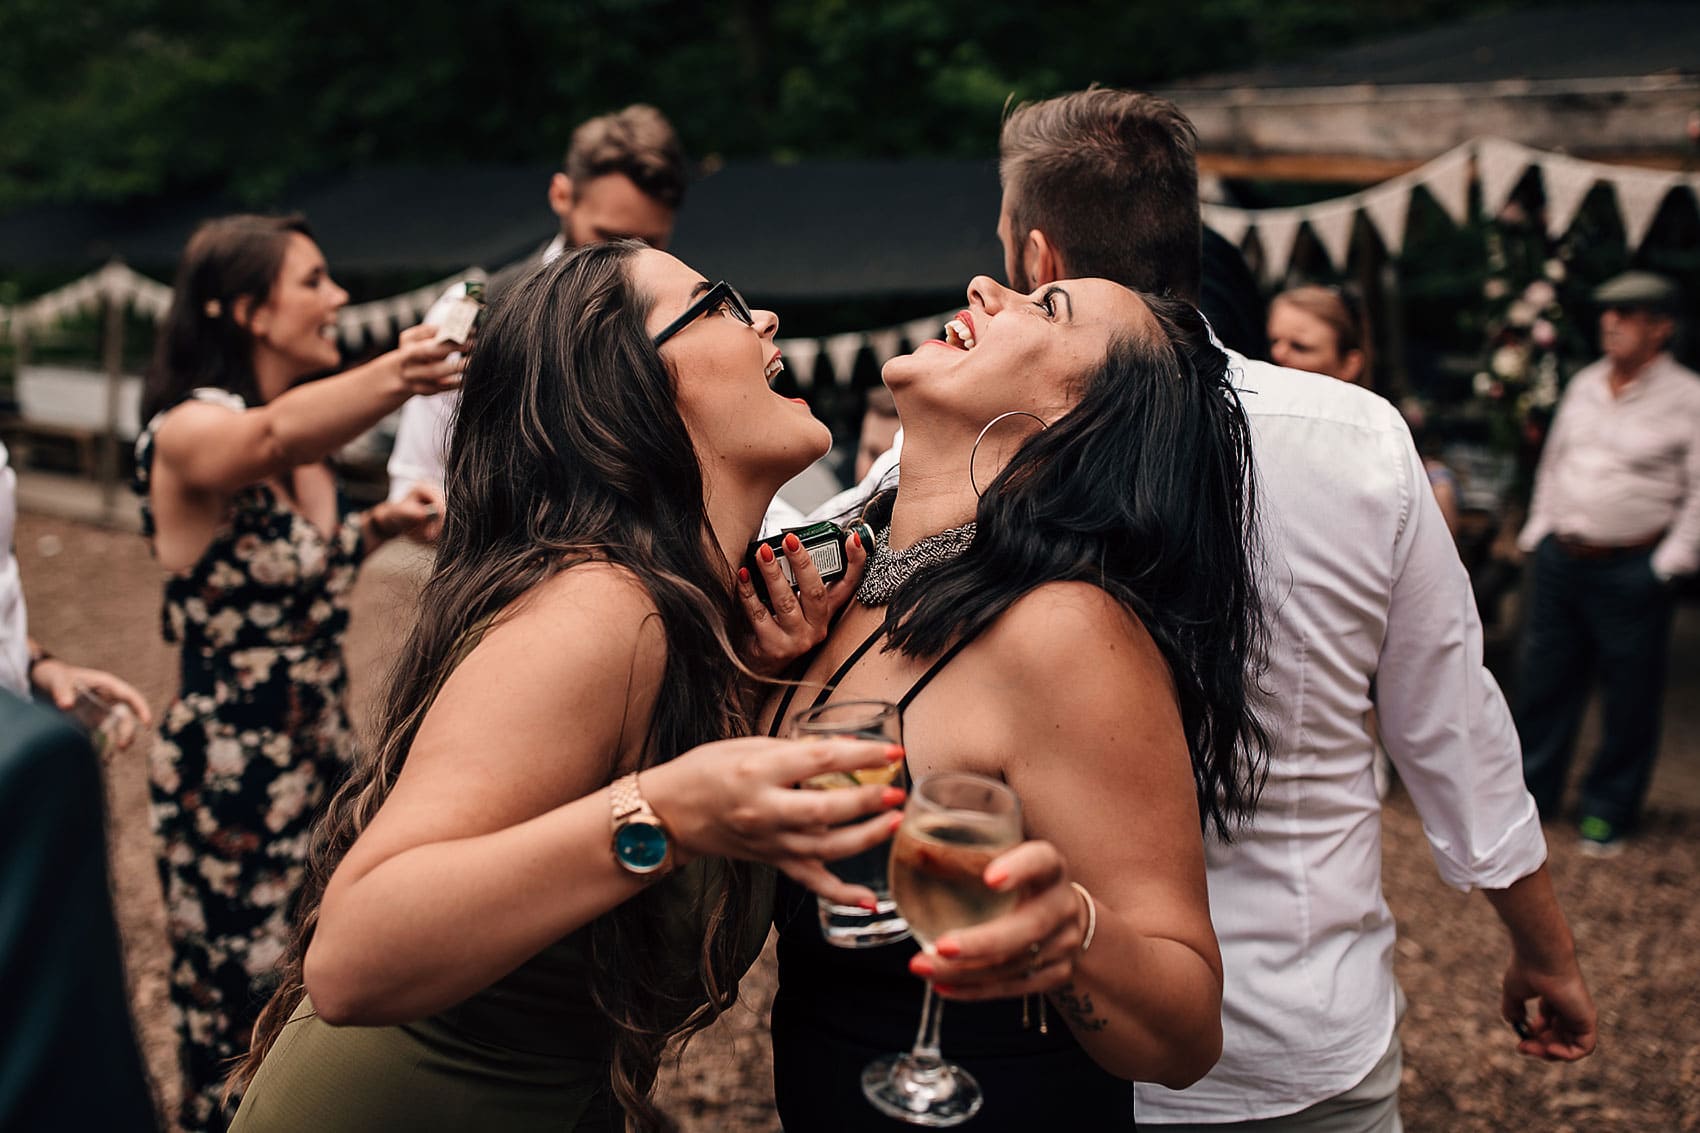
<point>996,876</point>
<point>896,821</point>
<point>948,948</point>
<point>894,753</point>
<point>944,989</point>
<point>855,540</point>
<point>765,553</point>
<point>793,544</point>
<point>891,796</point>
<point>869,904</point>
<point>743,574</point>
<point>921,966</point>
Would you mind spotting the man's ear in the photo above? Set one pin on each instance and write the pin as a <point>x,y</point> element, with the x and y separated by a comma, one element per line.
<point>561,196</point>
<point>1352,366</point>
<point>1040,260</point>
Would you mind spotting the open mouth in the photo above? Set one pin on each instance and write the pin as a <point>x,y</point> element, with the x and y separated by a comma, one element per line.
<point>328,332</point>
<point>775,367</point>
<point>959,332</point>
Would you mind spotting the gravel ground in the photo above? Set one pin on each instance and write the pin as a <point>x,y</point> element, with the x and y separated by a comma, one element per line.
<point>93,598</point>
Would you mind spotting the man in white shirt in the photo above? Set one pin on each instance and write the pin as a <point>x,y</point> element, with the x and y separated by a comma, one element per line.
<point>27,669</point>
<point>624,177</point>
<point>1614,521</point>
<point>1369,606</point>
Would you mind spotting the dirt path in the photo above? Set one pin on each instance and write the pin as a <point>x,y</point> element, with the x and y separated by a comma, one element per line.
<point>93,597</point>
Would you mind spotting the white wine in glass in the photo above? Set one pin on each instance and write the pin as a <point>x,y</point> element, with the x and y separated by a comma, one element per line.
<point>954,825</point>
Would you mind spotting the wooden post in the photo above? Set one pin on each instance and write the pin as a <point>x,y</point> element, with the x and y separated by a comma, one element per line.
<point>112,353</point>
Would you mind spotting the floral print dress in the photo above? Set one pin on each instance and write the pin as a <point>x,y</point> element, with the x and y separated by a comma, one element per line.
<point>249,753</point>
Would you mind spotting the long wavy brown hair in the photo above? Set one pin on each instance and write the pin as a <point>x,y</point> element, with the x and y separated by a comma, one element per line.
<point>568,446</point>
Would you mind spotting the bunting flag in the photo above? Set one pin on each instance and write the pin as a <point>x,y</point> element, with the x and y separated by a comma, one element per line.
<point>842,349</point>
<point>1639,195</point>
<point>1499,166</point>
<point>1388,209</point>
<point>1230,223</point>
<point>1277,231</point>
<point>800,355</point>
<point>1447,180</point>
<point>1332,228</point>
<point>1567,182</point>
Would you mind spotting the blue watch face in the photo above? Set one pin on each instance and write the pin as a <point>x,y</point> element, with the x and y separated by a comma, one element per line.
<point>640,846</point>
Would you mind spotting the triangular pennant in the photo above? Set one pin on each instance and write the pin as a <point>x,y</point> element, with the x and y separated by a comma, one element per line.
<point>1388,208</point>
<point>1231,224</point>
<point>1447,179</point>
<point>1332,227</point>
<point>1639,195</point>
<point>1499,166</point>
<point>800,355</point>
<point>1277,229</point>
<point>842,349</point>
<point>1566,182</point>
<point>917,331</point>
<point>351,328</point>
<point>884,343</point>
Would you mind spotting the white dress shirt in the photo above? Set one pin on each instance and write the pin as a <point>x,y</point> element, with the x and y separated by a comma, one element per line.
<point>14,626</point>
<point>1368,605</point>
<point>1617,470</point>
<point>422,438</point>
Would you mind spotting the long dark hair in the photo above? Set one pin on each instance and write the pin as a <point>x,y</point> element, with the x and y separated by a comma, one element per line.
<point>568,446</point>
<point>1143,489</point>
<point>201,343</point>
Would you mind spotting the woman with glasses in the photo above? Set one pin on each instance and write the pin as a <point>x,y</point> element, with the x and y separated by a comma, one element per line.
<point>548,871</point>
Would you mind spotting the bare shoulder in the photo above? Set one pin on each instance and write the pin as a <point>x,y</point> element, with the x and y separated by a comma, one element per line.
<point>593,612</point>
<point>187,426</point>
<point>1053,625</point>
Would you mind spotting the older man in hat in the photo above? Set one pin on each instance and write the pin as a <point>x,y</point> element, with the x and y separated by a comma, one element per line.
<point>1614,521</point>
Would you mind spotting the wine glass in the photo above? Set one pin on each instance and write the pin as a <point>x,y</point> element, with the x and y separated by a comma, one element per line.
<point>850,926</point>
<point>954,825</point>
<point>109,723</point>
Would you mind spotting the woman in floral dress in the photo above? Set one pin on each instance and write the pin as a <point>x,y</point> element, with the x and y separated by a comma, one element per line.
<point>244,515</point>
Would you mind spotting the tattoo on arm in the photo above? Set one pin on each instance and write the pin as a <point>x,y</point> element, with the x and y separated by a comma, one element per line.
<point>1077,1005</point>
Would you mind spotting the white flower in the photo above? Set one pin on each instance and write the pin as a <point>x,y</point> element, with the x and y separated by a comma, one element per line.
<point>264,952</point>
<point>221,875</point>
<point>1508,361</point>
<point>1481,383</point>
<point>1554,270</point>
<point>265,614</point>
<point>223,626</point>
<point>1540,293</point>
<point>1521,313</point>
<point>1495,288</point>
<point>1543,334</point>
<point>225,757</point>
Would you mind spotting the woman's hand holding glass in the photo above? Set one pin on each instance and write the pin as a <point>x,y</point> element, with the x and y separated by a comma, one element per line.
<point>424,365</point>
<point>1032,949</point>
<point>736,799</point>
<point>799,619</point>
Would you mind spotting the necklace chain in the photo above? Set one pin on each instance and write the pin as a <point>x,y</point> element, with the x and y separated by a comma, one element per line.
<point>888,570</point>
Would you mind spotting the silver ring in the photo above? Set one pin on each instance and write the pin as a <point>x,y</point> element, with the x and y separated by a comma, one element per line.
<point>975,451</point>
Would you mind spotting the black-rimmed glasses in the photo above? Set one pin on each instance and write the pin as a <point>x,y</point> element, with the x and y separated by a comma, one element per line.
<point>721,294</point>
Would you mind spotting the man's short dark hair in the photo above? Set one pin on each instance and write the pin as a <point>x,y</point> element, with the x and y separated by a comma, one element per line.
<point>1111,178</point>
<point>638,142</point>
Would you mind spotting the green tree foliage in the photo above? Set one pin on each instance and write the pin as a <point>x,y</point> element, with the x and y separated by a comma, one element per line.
<point>113,99</point>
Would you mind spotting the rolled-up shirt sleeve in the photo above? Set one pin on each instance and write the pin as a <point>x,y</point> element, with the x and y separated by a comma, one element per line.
<point>1444,720</point>
<point>1678,553</point>
<point>422,436</point>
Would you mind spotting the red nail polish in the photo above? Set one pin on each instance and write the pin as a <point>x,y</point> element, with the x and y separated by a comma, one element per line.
<point>869,904</point>
<point>891,796</point>
<point>948,948</point>
<point>855,540</point>
<point>765,553</point>
<point>896,821</point>
<point>944,989</point>
<point>743,574</point>
<point>793,544</point>
<point>894,753</point>
<point>921,966</point>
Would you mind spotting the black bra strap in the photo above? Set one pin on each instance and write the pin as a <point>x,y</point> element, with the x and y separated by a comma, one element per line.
<point>926,678</point>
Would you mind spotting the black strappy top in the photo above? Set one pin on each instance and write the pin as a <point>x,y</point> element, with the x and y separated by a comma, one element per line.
<point>838,1009</point>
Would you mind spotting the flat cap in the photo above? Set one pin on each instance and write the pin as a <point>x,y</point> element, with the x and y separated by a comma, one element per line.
<point>1637,289</point>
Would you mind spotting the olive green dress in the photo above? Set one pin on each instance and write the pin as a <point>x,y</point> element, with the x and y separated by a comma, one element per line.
<point>530,1052</point>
